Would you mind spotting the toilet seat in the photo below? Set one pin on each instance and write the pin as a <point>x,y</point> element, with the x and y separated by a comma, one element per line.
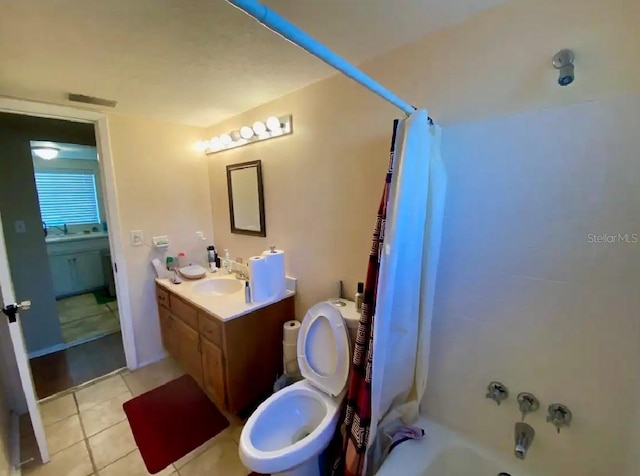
<point>323,349</point>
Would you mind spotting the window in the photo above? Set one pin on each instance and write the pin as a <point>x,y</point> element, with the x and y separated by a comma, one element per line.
<point>67,198</point>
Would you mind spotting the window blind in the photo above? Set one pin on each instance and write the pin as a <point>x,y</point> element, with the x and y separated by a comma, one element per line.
<point>66,198</point>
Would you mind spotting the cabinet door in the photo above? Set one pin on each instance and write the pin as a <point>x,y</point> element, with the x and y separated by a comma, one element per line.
<point>213,372</point>
<point>188,348</point>
<point>168,337</point>
<point>89,273</point>
<point>62,274</point>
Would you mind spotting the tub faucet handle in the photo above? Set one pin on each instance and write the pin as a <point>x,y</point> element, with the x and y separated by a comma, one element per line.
<point>497,392</point>
<point>527,403</point>
<point>559,416</point>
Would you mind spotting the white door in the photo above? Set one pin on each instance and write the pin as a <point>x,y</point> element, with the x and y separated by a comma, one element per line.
<point>8,299</point>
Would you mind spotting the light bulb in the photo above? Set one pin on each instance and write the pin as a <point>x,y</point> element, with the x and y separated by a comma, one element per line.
<point>259,128</point>
<point>273,123</point>
<point>225,139</point>
<point>235,135</point>
<point>246,132</point>
<point>202,145</point>
<point>215,144</point>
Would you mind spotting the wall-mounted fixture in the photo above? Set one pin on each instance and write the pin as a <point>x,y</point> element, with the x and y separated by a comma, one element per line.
<point>527,402</point>
<point>524,435</point>
<point>258,131</point>
<point>559,416</point>
<point>563,61</point>
<point>46,153</point>
<point>497,392</point>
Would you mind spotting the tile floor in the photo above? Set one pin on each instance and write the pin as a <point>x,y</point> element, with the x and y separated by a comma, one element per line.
<point>88,432</point>
<point>82,318</point>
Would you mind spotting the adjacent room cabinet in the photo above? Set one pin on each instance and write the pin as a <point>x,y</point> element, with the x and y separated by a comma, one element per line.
<point>76,266</point>
<point>76,273</point>
<point>236,361</point>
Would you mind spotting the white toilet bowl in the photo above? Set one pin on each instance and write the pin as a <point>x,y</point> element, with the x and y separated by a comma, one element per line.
<point>288,431</point>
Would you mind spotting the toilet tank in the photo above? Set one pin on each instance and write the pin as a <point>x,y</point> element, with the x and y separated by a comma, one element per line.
<point>351,318</point>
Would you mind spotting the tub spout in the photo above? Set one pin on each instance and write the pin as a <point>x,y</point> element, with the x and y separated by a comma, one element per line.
<point>524,435</point>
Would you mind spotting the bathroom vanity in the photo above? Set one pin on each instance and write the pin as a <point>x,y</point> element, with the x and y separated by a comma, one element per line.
<point>232,349</point>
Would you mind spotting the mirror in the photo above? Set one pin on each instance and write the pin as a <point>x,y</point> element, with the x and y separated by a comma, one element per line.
<point>246,199</point>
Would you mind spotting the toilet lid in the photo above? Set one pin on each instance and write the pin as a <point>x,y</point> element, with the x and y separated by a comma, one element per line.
<point>323,349</point>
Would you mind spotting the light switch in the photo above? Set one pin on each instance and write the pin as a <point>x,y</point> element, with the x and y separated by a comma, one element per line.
<point>20,226</point>
<point>137,238</point>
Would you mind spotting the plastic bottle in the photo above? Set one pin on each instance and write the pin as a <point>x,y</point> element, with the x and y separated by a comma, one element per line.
<point>226,263</point>
<point>359,296</point>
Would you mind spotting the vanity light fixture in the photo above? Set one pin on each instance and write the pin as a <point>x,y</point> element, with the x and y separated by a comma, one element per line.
<point>259,131</point>
<point>46,153</point>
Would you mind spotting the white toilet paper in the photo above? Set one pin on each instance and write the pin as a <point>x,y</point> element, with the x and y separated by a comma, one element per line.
<point>290,331</point>
<point>290,359</point>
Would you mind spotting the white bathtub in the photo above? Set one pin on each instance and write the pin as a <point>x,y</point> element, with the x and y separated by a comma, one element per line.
<point>443,453</point>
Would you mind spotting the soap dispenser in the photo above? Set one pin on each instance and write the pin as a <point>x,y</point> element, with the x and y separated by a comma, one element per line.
<point>226,263</point>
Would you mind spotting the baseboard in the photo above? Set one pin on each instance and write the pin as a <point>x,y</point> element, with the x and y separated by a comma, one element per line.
<point>14,444</point>
<point>153,360</point>
<point>47,350</point>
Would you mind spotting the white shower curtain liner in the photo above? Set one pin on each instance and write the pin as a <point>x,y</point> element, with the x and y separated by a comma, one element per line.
<point>407,281</point>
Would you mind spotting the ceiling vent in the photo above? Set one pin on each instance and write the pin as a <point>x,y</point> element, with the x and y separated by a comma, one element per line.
<point>92,100</point>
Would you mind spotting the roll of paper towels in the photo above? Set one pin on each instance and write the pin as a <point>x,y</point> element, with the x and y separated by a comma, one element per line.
<point>260,279</point>
<point>277,268</point>
<point>290,332</point>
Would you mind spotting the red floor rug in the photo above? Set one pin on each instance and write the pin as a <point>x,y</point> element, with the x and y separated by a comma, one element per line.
<point>170,421</point>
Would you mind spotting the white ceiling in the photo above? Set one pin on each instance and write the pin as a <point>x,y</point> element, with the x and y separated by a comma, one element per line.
<point>195,61</point>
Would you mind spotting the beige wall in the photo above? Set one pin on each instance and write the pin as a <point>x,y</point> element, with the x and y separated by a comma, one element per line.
<point>546,331</point>
<point>163,189</point>
<point>323,183</point>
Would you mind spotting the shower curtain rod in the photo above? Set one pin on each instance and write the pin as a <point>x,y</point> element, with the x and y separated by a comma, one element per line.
<point>289,31</point>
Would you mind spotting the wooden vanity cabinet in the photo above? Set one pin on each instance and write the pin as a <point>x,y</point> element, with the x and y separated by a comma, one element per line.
<point>235,362</point>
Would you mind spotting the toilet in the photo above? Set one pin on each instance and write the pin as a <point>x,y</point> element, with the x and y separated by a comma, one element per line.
<point>287,433</point>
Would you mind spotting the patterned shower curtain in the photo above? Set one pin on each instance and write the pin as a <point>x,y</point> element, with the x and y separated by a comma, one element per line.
<point>357,420</point>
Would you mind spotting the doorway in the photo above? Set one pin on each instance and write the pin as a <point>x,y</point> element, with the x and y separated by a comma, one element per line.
<point>56,232</point>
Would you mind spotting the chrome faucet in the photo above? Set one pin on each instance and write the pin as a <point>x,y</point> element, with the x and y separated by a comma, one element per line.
<point>524,434</point>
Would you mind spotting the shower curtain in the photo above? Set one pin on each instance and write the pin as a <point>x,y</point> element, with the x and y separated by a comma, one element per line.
<point>390,362</point>
<point>406,286</point>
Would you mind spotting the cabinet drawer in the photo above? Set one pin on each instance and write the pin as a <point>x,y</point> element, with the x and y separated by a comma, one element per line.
<point>210,328</point>
<point>163,297</point>
<point>187,313</point>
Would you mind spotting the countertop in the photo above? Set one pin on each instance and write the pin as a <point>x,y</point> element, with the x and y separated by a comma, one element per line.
<point>224,307</point>
<point>75,237</point>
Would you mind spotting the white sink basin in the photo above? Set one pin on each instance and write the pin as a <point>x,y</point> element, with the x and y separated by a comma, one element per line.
<point>218,287</point>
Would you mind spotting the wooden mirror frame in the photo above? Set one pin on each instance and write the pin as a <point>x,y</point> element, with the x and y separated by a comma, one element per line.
<point>244,165</point>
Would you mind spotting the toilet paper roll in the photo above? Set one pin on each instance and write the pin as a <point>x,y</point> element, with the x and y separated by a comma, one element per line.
<point>260,279</point>
<point>290,359</point>
<point>276,264</point>
<point>290,330</point>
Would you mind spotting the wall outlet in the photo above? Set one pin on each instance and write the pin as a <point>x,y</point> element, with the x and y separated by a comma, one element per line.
<point>200,235</point>
<point>137,238</point>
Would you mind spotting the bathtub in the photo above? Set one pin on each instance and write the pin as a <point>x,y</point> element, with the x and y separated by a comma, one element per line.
<point>443,453</point>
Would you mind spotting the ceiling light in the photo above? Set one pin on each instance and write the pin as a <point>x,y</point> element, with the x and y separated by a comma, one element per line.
<point>246,132</point>
<point>259,128</point>
<point>225,139</point>
<point>46,153</point>
<point>273,123</point>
